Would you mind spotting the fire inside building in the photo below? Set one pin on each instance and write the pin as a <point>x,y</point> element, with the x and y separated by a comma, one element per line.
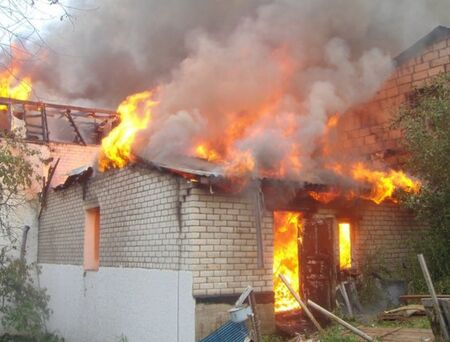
<point>130,245</point>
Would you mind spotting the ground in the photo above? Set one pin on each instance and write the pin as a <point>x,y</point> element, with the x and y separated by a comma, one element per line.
<point>335,333</point>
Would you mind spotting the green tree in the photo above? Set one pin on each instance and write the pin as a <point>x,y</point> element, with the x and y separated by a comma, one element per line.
<point>425,123</point>
<point>23,306</point>
<point>17,174</point>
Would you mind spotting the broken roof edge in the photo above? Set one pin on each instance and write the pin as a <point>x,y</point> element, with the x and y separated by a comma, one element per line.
<point>437,34</point>
<point>201,176</point>
<point>75,176</point>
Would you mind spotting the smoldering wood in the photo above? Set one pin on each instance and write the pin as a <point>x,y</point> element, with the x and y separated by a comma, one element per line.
<point>340,321</point>
<point>440,316</point>
<point>301,303</point>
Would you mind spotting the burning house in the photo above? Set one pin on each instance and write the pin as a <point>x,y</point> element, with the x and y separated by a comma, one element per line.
<point>162,244</point>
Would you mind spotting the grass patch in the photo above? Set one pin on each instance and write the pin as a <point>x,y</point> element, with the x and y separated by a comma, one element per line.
<point>419,322</point>
<point>337,334</point>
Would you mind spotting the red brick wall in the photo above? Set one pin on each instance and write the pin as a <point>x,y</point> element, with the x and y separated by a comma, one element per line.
<point>366,129</point>
<point>71,156</point>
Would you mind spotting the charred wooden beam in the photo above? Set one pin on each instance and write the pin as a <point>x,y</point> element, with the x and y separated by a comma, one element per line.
<point>92,111</point>
<point>46,187</point>
<point>74,126</point>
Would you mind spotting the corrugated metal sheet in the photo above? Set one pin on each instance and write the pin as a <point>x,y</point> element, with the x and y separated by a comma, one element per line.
<point>229,332</point>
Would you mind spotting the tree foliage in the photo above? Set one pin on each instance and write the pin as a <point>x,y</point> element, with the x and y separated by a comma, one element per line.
<point>23,306</point>
<point>425,123</point>
<point>17,173</point>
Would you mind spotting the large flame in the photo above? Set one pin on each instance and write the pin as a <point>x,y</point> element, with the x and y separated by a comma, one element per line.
<point>384,183</point>
<point>345,246</point>
<point>11,86</point>
<point>135,115</point>
<point>287,231</point>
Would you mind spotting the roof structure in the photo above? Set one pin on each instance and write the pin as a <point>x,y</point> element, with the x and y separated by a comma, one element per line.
<point>438,34</point>
<point>45,122</point>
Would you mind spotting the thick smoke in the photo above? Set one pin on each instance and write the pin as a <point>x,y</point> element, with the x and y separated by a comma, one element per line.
<point>265,74</point>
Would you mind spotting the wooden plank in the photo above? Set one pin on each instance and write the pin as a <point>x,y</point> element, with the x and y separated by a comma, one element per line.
<point>420,296</point>
<point>340,321</point>
<point>346,299</point>
<point>434,298</point>
<point>302,305</point>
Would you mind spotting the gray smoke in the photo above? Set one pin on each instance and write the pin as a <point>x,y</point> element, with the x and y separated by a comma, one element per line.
<point>265,64</point>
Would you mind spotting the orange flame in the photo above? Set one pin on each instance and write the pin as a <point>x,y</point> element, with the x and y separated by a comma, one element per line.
<point>384,183</point>
<point>242,164</point>
<point>14,88</point>
<point>324,197</point>
<point>135,115</point>
<point>345,246</point>
<point>287,227</point>
<point>203,151</point>
<point>333,121</point>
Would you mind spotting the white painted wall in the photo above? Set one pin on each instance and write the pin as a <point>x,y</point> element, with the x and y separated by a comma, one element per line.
<point>140,304</point>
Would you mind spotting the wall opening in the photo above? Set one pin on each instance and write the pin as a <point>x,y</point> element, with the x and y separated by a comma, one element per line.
<point>345,246</point>
<point>92,239</point>
<point>286,260</point>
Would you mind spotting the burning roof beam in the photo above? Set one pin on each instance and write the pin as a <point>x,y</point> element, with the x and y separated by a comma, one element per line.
<point>37,119</point>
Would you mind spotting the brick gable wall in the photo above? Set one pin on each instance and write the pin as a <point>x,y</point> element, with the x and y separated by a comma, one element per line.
<point>366,130</point>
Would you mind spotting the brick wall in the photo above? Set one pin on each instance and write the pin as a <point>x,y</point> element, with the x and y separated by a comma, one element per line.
<point>385,231</point>
<point>139,225</point>
<point>219,244</point>
<point>366,129</point>
<point>71,157</point>
<point>140,228</point>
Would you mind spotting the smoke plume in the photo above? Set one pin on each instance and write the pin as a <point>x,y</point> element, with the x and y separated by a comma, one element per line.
<point>256,77</point>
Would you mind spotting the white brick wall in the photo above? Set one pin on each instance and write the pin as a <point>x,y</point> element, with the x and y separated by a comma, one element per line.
<point>139,226</point>
<point>220,243</point>
<point>217,241</point>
